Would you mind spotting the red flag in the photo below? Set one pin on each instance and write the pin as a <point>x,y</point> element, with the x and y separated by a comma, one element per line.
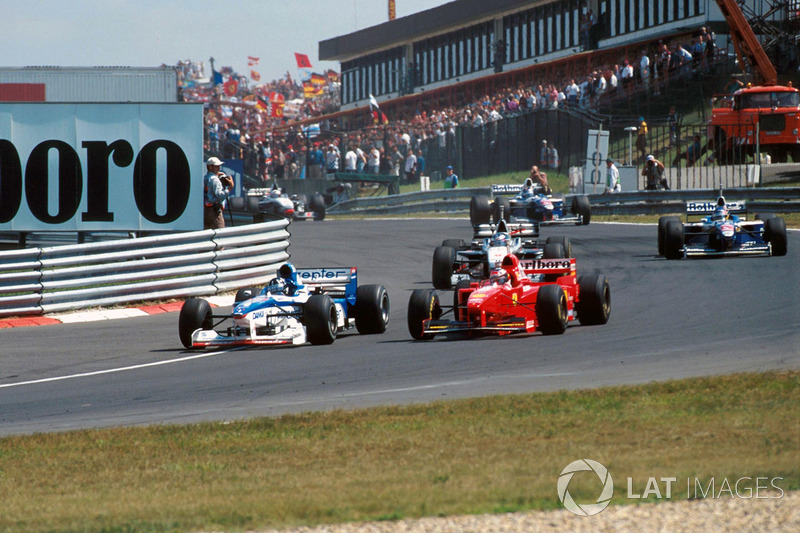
<point>231,87</point>
<point>252,61</point>
<point>302,60</point>
<point>255,75</point>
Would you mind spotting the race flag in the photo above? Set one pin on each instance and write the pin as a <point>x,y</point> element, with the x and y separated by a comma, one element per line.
<point>302,61</point>
<point>272,104</point>
<point>252,61</point>
<point>378,117</point>
<point>255,75</point>
<point>231,87</point>
<point>216,78</point>
<point>333,76</point>
<point>392,10</point>
<point>310,89</point>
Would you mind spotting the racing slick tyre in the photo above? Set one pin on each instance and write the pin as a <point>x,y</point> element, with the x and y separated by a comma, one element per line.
<point>662,228</point>
<point>554,250</point>
<point>673,240</point>
<point>317,206</point>
<point>371,309</point>
<point>501,209</point>
<point>320,319</point>
<point>455,244</point>
<point>551,309</point>
<point>565,242</point>
<point>423,305</point>
<point>462,284</point>
<point>444,258</point>
<point>594,300</point>
<point>244,294</point>
<point>775,234</point>
<point>195,314</point>
<point>764,216</point>
<point>480,210</point>
<point>582,207</point>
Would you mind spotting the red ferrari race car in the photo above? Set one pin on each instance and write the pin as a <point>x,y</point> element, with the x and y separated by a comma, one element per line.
<point>538,295</point>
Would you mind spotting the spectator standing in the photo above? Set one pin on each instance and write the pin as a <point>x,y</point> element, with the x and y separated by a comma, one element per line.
<point>627,77</point>
<point>316,162</point>
<point>641,138</point>
<point>279,163</point>
<point>396,158</point>
<point>374,160</point>
<point>361,162</point>
<point>291,163</point>
<point>541,178</point>
<point>385,164</point>
<point>451,179</point>
<point>216,189</point>
<point>543,154</point>
<point>410,166</point>
<point>644,68</point>
<point>572,92</point>
<point>332,157</point>
<point>612,177</point>
<point>351,160</point>
<point>420,164</point>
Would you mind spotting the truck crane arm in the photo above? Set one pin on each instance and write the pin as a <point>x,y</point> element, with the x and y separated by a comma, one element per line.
<point>745,42</point>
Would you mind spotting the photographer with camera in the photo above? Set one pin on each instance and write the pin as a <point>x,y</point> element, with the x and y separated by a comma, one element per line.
<point>216,189</point>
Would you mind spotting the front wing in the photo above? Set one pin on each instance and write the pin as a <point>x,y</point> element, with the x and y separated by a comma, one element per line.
<point>239,336</point>
<point>509,325</point>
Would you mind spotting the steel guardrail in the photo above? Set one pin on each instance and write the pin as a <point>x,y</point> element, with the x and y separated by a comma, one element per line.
<point>37,281</point>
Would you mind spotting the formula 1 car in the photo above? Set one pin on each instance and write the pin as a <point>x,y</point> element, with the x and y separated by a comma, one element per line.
<point>455,260</point>
<point>529,205</point>
<point>275,201</point>
<point>720,232</point>
<point>298,306</point>
<point>510,301</point>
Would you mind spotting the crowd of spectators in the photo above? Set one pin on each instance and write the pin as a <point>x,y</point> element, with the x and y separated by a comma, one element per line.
<point>271,147</point>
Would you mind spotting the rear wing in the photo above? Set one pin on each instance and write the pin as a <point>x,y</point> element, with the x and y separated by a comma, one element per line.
<point>525,230</point>
<point>562,266</point>
<point>339,282</point>
<point>702,209</point>
<point>514,189</point>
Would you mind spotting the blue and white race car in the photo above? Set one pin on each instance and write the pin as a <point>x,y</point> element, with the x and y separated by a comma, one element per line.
<point>297,306</point>
<point>720,231</point>
<point>529,205</point>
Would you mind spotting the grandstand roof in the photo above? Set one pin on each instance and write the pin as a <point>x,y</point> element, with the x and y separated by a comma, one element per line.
<point>425,23</point>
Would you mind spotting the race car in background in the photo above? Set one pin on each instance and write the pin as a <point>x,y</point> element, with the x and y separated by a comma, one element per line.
<point>544,297</point>
<point>275,201</point>
<point>530,205</point>
<point>720,231</point>
<point>455,260</point>
<point>297,306</point>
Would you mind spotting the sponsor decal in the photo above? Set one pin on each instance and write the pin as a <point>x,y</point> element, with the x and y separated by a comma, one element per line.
<point>551,264</point>
<point>323,274</point>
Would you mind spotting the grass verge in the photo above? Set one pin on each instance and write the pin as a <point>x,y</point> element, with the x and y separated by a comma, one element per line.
<point>481,455</point>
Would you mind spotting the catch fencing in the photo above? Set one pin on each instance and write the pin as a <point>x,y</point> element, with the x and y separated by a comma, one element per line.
<point>36,281</point>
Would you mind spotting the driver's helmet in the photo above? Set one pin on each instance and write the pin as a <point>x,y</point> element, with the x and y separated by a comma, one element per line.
<point>498,275</point>
<point>499,239</point>
<point>720,213</point>
<point>275,193</point>
<point>276,286</point>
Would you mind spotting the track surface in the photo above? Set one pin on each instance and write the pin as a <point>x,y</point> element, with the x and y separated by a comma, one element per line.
<point>670,319</point>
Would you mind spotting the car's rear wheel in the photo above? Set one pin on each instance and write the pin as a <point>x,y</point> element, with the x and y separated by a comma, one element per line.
<point>372,309</point>
<point>195,314</point>
<point>582,207</point>
<point>480,210</point>
<point>564,241</point>
<point>775,234</point>
<point>320,319</point>
<point>594,300</point>
<point>662,229</point>
<point>551,309</point>
<point>423,305</point>
<point>317,206</point>
<point>554,250</point>
<point>455,244</point>
<point>444,259</point>
<point>673,240</point>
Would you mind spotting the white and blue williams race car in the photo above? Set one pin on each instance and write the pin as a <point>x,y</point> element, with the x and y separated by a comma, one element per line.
<point>723,229</point>
<point>529,205</point>
<point>298,306</point>
<point>457,261</point>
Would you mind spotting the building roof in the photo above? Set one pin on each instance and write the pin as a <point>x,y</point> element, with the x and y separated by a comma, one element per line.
<point>412,27</point>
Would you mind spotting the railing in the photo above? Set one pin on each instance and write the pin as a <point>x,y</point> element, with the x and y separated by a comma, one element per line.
<point>456,201</point>
<point>61,278</point>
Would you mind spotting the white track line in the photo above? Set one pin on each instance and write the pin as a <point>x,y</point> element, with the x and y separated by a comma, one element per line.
<point>115,370</point>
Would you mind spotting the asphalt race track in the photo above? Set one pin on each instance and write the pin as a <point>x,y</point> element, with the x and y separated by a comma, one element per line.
<point>669,319</point>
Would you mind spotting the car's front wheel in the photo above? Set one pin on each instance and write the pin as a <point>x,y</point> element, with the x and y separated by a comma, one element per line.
<point>195,314</point>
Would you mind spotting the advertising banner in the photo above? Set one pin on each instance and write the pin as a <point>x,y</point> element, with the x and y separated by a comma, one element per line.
<point>101,167</point>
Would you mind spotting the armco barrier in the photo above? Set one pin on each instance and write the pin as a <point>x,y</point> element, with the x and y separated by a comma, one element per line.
<point>61,278</point>
<point>456,201</point>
